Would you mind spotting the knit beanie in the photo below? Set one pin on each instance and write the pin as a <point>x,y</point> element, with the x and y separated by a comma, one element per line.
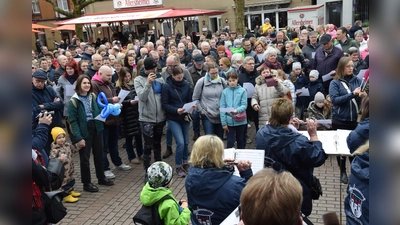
<point>319,97</point>
<point>57,131</point>
<point>296,65</point>
<point>314,73</point>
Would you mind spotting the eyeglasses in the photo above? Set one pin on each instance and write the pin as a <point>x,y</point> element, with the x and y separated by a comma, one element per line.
<point>215,73</point>
<point>171,65</point>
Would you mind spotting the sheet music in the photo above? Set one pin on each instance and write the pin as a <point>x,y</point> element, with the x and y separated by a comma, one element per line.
<point>189,106</point>
<point>255,156</point>
<point>249,87</point>
<point>303,91</point>
<point>332,138</point>
<point>233,218</point>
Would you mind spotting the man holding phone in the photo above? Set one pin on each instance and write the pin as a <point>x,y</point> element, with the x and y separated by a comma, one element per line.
<point>152,117</point>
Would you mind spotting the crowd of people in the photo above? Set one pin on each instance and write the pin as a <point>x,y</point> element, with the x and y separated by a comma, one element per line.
<point>273,80</point>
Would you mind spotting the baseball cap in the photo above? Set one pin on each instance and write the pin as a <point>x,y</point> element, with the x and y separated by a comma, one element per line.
<point>199,59</point>
<point>325,39</point>
<point>149,63</point>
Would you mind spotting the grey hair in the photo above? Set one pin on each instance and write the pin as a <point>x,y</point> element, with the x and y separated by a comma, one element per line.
<point>196,52</point>
<point>236,57</point>
<point>359,32</point>
<point>205,44</point>
<point>269,51</point>
<point>228,44</point>
<point>352,50</point>
<point>248,58</point>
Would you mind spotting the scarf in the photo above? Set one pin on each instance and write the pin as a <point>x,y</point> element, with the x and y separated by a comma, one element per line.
<point>273,65</point>
<point>216,80</point>
<point>36,194</point>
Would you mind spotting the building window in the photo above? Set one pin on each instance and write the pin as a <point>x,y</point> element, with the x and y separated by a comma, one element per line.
<point>63,4</point>
<point>35,7</point>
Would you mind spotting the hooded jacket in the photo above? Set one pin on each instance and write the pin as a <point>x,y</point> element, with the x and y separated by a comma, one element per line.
<point>58,73</point>
<point>348,43</point>
<point>86,56</point>
<point>109,91</point>
<point>264,96</point>
<point>343,107</point>
<point>308,51</point>
<point>358,136</point>
<point>60,89</point>
<point>208,94</point>
<point>169,209</point>
<point>356,203</point>
<point>287,147</point>
<point>150,106</point>
<point>171,102</point>
<point>233,97</point>
<point>213,193</point>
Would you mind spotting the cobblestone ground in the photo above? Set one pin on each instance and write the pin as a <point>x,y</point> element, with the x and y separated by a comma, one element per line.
<point>117,204</point>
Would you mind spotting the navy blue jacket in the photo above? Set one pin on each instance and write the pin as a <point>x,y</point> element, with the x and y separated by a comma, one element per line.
<point>170,100</point>
<point>285,146</point>
<point>86,57</point>
<point>356,203</point>
<point>343,107</point>
<point>323,64</point>
<point>213,193</point>
<point>46,98</point>
<point>313,88</point>
<point>358,136</point>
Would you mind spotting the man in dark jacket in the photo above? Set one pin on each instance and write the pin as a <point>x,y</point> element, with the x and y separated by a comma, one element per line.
<point>206,50</point>
<point>291,151</point>
<point>45,98</point>
<point>326,59</point>
<point>94,66</point>
<point>62,60</point>
<point>310,49</point>
<point>161,52</point>
<point>87,54</point>
<point>345,42</point>
<point>101,82</point>
<point>248,52</point>
<point>45,67</point>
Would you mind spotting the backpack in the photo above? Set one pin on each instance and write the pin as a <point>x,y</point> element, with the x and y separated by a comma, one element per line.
<point>148,215</point>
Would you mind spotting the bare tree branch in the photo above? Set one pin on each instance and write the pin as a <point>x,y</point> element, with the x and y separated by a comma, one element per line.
<point>86,3</point>
<point>59,10</point>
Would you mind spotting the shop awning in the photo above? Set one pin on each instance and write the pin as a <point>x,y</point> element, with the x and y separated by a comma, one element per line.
<point>38,26</point>
<point>143,14</point>
<point>65,27</point>
<point>35,31</point>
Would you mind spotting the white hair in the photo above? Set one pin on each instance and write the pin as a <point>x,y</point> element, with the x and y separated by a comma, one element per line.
<point>270,50</point>
<point>204,44</point>
<point>236,57</point>
<point>196,52</point>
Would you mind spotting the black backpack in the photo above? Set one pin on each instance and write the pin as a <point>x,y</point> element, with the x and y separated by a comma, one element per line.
<point>148,215</point>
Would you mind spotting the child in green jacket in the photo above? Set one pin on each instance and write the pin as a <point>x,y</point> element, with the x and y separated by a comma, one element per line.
<point>159,176</point>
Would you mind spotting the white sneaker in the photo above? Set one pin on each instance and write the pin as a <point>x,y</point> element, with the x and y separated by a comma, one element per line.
<point>248,125</point>
<point>124,167</point>
<point>109,174</point>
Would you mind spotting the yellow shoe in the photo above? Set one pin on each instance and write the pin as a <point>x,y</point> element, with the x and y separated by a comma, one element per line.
<point>75,194</point>
<point>70,199</point>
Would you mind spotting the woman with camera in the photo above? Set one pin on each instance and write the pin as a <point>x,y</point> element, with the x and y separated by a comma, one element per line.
<point>175,93</point>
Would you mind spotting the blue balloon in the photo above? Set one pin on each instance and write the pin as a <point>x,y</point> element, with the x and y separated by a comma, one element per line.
<point>108,108</point>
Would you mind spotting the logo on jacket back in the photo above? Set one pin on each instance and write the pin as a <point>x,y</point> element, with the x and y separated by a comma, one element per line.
<point>203,216</point>
<point>356,200</point>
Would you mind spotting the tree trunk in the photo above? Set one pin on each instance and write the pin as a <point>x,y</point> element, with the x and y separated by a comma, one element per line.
<point>239,16</point>
<point>79,31</point>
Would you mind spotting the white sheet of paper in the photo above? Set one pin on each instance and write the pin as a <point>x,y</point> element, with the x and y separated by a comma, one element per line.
<point>77,59</point>
<point>249,89</point>
<point>313,55</point>
<point>339,46</point>
<point>327,77</point>
<point>189,106</point>
<point>255,156</point>
<point>69,90</point>
<point>100,118</point>
<point>325,123</point>
<point>233,218</point>
<point>226,109</point>
<point>304,92</point>
<point>122,94</point>
<point>361,74</point>
<point>329,138</point>
<point>136,98</point>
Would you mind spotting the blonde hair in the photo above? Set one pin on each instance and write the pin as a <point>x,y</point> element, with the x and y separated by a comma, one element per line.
<point>207,152</point>
<point>362,149</point>
<point>297,49</point>
<point>271,198</point>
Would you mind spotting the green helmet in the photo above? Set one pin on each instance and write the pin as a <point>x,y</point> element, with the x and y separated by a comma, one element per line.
<point>159,174</point>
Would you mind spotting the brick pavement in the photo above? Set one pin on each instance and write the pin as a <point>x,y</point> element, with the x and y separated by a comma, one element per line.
<point>117,204</point>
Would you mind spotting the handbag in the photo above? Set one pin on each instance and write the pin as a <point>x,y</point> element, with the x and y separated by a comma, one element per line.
<point>315,188</point>
<point>57,170</point>
<point>239,117</point>
<point>54,209</point>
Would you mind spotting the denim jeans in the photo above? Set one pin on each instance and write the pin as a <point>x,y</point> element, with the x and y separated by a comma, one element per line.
<point>196,122</point>
<point>181,135</point>
<point>168,135</point>
<point>129,146</point>
<point>110,140</point>
<point>239,133</point>
<point>212,128</point>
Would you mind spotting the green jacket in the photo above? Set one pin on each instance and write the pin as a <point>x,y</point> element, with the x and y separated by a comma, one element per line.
<point>77,117</point>
<point>168,209</point>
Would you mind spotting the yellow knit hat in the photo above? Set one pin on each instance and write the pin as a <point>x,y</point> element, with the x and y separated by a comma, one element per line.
<point>57,131</point>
